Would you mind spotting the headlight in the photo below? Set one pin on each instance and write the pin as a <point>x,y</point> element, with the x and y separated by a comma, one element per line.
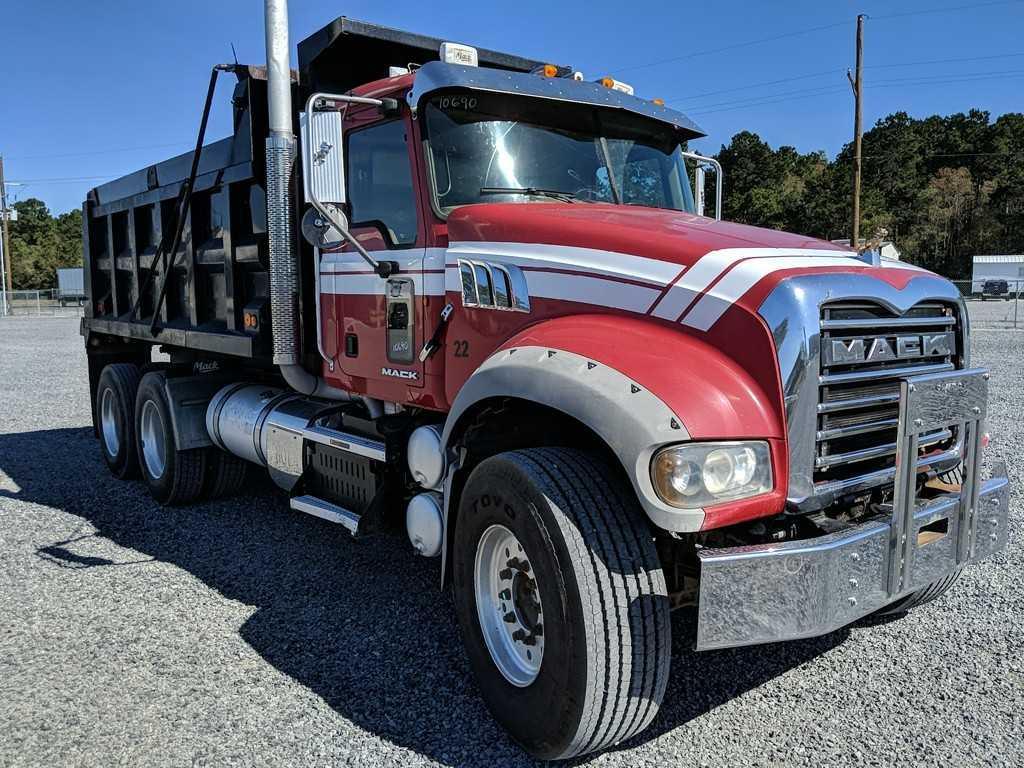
<point>702,474</point>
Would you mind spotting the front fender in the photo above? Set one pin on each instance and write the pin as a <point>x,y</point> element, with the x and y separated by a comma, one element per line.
<point>639,385</point>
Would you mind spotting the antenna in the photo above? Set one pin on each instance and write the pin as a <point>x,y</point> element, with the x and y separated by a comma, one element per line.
<point>235,55</point>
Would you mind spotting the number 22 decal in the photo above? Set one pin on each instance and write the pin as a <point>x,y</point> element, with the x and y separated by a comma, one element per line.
<point>461,348</point>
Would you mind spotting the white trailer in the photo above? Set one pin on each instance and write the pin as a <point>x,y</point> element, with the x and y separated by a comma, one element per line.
<point>997,267</point>
<point>70,286</point>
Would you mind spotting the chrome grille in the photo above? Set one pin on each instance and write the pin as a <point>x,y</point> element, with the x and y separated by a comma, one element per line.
<point>865,351</point>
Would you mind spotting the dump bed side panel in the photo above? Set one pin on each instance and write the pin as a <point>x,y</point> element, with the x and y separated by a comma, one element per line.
<point>221,265</point>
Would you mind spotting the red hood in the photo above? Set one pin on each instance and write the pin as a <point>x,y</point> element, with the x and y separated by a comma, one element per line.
<point>671,236</point>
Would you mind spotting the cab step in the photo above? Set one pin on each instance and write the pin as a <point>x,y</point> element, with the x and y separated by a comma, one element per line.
<point>327,511</point>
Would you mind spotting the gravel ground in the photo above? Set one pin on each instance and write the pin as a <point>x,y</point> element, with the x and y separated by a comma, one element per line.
<point>995,313</point>
<point>240,633</point>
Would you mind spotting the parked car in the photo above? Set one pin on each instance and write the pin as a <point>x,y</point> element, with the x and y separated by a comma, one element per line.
<point>995,289</point>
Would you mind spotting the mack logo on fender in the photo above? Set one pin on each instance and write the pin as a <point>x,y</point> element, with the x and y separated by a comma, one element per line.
<point>879,349</point>
<point>398,373</point>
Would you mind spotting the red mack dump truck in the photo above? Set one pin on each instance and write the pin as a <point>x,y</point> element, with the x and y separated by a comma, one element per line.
<point>471,295</point>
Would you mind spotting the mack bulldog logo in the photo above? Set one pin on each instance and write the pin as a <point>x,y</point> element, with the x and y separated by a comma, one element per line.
<point>880,349</point>
<point>398,373</point>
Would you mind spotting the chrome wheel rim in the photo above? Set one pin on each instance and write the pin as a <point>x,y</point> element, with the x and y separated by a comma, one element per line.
<point>508,605</point>
<point>151,435</point>
<point>108,422</point>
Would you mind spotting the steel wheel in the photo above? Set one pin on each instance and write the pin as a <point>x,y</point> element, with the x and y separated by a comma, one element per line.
<point>108,422</point>
<point>151,433</point>
<point>509,606</point>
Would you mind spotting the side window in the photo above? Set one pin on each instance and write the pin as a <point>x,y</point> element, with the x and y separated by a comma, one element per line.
<point>380,187</point>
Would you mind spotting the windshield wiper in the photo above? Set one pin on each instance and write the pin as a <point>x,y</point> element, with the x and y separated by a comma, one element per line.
<point>567,197</point>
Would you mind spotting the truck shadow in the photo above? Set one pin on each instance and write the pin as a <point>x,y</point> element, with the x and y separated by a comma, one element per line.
<point>360,623</point>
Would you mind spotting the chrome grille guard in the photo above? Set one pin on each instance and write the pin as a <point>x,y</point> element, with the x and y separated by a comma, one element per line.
<point>792,313</point>
<point>770,592</point>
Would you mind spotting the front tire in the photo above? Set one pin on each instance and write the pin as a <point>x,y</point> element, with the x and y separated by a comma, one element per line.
<point>173,476</point>
<point>573,568</point>
<point>920,597</point>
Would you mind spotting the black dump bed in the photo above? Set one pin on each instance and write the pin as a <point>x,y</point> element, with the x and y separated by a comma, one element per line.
<point>221,263</point>
<point>219,277</point>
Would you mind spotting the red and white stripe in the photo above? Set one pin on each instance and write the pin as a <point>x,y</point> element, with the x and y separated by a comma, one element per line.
<point>696,296</point>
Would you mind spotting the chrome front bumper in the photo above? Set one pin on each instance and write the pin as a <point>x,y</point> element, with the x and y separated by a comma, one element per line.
<point>770,592</point>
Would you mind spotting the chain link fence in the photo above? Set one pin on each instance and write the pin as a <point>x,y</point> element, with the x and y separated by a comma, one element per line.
<point>991,303</point>
<point>43,303</point>
<point>994,303</point>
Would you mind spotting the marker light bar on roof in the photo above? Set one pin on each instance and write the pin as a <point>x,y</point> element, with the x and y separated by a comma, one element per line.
<point>457,53</point>
<point>552,70</point>
<point>616,85</point>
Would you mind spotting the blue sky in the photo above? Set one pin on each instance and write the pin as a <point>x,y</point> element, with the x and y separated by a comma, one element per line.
<point>98,89</point>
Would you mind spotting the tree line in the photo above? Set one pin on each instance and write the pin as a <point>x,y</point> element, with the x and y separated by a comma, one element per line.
<point>41,242</point>
<point>944,189</point>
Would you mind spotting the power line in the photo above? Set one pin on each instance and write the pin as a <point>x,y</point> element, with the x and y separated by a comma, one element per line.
<point>966,77</point>
<point>929,11</point>
<point>774,98</point>
<point>823,73</point>
<point>758,85</point>
<point>943,61</point>
<point>834,90</point>
<point>734,46</point>
<point>810,30</point>
<point>749,99</point>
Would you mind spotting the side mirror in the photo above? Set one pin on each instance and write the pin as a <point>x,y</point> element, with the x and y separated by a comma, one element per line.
<point>323,160</point>
<point>323,172</point>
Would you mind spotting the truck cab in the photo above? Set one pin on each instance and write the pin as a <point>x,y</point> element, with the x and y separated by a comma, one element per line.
<point>476,297</point>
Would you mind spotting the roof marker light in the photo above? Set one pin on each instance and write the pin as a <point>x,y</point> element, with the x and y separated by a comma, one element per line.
<point>617,85</point>
<point>659,102</point>
<point>457,53</point>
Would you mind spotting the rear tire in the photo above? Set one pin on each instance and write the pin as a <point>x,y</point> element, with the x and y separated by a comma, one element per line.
<point>920,597</point>
<point>587,554</point>
<point>173,476</point>
<point>115,418</point>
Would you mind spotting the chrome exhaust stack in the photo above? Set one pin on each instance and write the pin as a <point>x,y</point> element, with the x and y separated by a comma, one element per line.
<point>281,150</point>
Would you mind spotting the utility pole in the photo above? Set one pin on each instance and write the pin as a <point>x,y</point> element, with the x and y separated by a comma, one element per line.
<point>4,216</point>
<point>858,89</point>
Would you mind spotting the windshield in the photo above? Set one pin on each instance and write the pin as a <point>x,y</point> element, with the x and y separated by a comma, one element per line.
<point>492,148</point>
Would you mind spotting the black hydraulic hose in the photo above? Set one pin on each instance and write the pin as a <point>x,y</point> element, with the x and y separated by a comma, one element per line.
<point>185,198</point>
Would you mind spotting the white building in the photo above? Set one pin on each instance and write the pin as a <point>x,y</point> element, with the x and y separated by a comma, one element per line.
<point>997,267</point>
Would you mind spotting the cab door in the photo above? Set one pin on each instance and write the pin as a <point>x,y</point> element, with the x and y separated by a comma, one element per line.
<point>378,321</point>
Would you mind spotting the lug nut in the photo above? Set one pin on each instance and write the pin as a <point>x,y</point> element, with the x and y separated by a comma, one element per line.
<point>505,574</point>
<point>510,617</point>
